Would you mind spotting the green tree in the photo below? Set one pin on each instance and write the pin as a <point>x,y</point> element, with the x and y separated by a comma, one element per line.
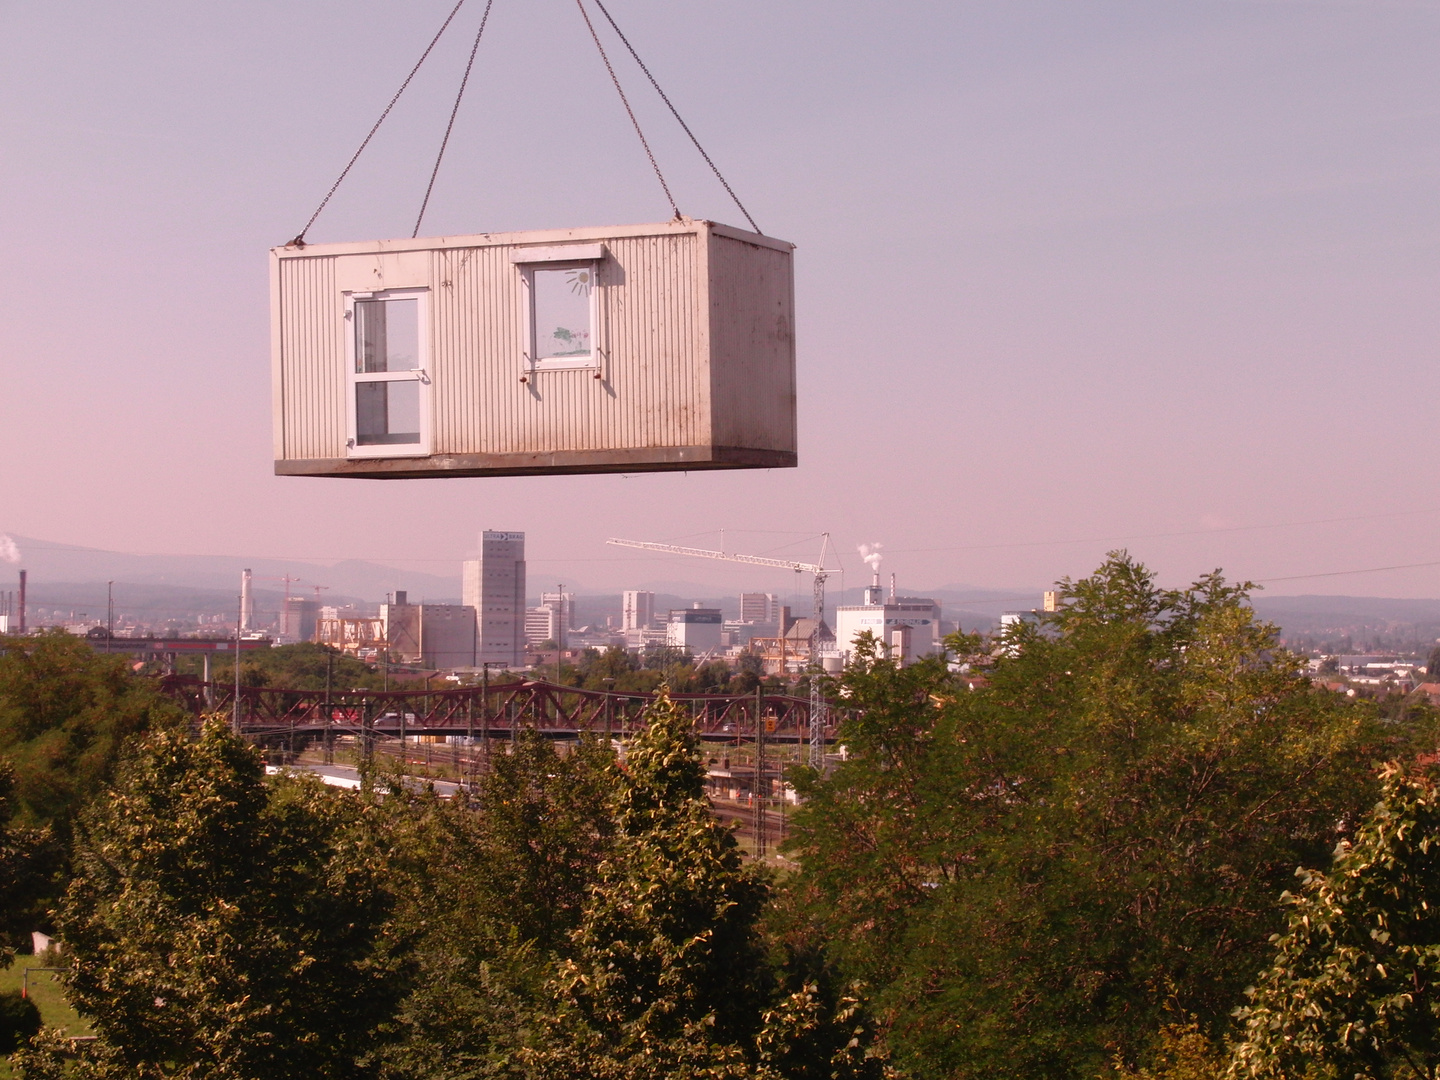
<point>669,976</point>
<point>1039,874</point>
<point>1353,989</point>
<point>31,867</point>
<point>301,666</point>
<point>223,925</point>
<point>489,900</point>
<point>19,1021</point>
<point>65,715</point>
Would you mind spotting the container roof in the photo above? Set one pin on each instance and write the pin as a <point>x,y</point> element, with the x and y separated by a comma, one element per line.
<point>536,236</point>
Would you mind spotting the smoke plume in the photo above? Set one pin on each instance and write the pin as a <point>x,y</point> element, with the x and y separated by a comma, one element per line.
<point>9,550</point>
<point>870,555</point>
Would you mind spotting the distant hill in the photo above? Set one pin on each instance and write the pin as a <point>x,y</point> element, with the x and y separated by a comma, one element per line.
<point>1347,624</point>
<point>50,564</point>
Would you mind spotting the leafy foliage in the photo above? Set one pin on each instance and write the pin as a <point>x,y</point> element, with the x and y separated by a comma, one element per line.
<point>619,670</point>
<point>300,666</point>
<point>1182,1052</point>
<point>488,901</point>
<point>1353,989</point>
<point>668,976</point>
<point>1039,873</point>
<point>31,868</point>
<point>65,714</point>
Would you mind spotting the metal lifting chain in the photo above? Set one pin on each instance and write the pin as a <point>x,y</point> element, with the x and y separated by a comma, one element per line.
<point>626,102</point>
<point>675,113</point>
<point>299,240</point>
<point>451,125</point>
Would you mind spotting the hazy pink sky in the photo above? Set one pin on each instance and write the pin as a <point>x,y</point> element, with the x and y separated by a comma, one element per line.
<point>1070,276</point>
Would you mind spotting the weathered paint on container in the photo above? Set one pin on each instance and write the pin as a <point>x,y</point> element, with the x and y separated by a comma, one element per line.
<point>690,362</point>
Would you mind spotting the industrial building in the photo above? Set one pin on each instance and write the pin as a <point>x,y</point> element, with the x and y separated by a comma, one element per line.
<point>430,635</point>
<point>695,629</point>
<point>494,585</point>
<point>362,636</point>
<point>905,627</point>
<point>298,620</point>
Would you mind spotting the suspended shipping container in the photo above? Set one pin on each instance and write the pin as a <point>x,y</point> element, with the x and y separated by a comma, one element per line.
<point>629,349</point>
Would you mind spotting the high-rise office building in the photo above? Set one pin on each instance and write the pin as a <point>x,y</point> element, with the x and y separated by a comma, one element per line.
<point>494,585</point>
<point>542,624</point>
<point>638,610</point>
<point>759,607</point>
<point>563,604</point>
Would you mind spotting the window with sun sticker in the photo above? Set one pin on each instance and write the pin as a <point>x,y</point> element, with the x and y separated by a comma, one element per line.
<point>561,312</point>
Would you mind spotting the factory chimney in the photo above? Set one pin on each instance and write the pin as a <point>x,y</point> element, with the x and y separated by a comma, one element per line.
<point>874,593</point>
<point>247,603</point>
<point>22,601</point>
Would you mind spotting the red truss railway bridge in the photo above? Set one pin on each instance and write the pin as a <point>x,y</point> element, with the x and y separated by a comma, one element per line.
<point>493,712</point>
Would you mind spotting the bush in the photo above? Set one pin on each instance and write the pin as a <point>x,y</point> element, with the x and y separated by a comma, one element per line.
<point>19,1021</point>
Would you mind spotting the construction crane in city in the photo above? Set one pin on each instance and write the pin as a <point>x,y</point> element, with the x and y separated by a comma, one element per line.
<point>818,707</point>
<point>819,569</point>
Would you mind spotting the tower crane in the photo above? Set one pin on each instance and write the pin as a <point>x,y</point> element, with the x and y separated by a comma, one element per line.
<point>819,569</point>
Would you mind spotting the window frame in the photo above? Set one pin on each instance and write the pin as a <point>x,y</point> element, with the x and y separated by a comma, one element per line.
<point>570,257</point>
<point>420,375</point>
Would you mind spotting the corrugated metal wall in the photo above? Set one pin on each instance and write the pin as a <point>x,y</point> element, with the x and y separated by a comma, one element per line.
<point>654,390</point>
<point>752,344</point>
<point>312,359</point>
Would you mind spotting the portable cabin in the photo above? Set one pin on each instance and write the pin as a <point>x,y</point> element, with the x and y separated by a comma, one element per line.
<point>628,349</point>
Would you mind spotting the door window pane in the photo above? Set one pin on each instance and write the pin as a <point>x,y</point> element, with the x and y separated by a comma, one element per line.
<point>387,335</point>
<point>387,413</point>
<point>561,311</point>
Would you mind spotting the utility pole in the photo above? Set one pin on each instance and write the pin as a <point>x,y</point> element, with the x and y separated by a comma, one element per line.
<point>329,709</point>
<point>759,772</point>
<point>109,613</point>
<point>469,739</point>
<point>609,710</point>
<point>235,721</point>
<point>485,709</point>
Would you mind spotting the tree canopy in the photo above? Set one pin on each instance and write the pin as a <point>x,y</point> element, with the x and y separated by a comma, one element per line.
<point>1039,873</point>
<point>65,714</point>
<point>221,924</point>
<point>1353,987</point>
<point>668,975</point>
